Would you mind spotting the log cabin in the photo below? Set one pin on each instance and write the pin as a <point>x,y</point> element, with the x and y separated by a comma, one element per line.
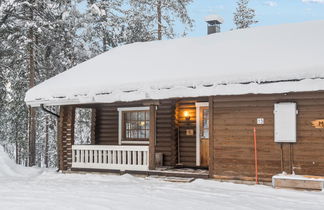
<point>242,105</point>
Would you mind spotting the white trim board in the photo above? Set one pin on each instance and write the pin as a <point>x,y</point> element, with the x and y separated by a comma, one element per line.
<point>198,105</point>
<point>120,123</point>
<point>142,108</point>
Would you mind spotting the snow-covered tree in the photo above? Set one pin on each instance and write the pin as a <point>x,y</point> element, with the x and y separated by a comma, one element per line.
<point>138,26</point>
<point>41,38</point>
<point>102,24</point>
<point>163,14</point>
<point>244,16</point>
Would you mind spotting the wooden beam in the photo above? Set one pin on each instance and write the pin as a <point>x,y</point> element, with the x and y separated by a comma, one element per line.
<point>152,137</point>
<point>211,136</point>
<point>151,102</point>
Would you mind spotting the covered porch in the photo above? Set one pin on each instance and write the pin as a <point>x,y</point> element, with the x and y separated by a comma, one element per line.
<point>165,143</point>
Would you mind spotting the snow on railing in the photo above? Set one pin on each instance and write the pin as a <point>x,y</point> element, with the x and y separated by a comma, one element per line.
<point>110,157</point>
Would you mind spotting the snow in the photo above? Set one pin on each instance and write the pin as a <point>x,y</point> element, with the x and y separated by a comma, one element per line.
<point>271,59</point>
<point>47,189</point>
<point>9,169</point>
<point>213,18</point>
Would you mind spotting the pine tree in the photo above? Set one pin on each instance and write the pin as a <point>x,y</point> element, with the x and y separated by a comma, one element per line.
<point>244,16</point>
<point>137,26</point>
<point>163,14</point>
<point>102,25</point>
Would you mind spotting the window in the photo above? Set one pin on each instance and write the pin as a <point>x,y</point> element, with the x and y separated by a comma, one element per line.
<point>205,123</point>
<point>134,125</point>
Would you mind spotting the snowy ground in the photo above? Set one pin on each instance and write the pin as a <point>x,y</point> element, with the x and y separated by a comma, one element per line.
<point>35,189</point>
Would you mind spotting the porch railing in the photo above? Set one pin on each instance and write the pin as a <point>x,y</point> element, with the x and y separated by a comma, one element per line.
<point>110,157</point>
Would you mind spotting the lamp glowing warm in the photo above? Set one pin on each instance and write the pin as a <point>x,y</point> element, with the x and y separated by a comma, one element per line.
<point>186,115</point>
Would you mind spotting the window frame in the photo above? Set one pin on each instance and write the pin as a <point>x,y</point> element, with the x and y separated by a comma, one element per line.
<point>121,125</point>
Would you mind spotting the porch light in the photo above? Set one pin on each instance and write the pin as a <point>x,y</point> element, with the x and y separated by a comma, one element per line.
<point>186,115</point>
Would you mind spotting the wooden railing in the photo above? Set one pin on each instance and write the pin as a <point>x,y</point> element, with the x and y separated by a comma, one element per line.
<point>110,157</point>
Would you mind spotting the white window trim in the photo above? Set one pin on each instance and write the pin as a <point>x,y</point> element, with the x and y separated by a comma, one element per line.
<point>120,123</point>
<point>198,106</point>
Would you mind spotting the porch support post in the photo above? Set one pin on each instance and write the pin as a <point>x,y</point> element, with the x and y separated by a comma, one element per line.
<point>152,137</point>
<point>93,125</point>
<point>66,137</point>
<point>211,137</point>
<point>60,139</point>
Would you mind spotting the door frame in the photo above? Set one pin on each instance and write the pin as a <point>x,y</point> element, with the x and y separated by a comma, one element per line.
<point>198,106</point>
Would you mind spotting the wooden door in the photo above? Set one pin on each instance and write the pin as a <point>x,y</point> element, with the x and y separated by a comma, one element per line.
<point>204,136</point>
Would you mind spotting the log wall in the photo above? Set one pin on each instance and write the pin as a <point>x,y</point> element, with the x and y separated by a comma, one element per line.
<point>187,143</point>
<point>234,118</point>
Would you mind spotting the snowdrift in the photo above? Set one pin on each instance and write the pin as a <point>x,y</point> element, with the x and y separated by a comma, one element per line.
<point>8,168</point>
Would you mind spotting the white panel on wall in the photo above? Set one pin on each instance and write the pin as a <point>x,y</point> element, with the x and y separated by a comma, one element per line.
<point>285,122</point>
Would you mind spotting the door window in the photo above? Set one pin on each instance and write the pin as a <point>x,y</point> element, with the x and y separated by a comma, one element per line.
<point>204,123</point>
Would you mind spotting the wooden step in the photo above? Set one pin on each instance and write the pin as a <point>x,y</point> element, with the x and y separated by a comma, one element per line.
<point>304,182</point>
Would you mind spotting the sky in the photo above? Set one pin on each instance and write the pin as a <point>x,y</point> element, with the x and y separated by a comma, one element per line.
<point>268,12</point>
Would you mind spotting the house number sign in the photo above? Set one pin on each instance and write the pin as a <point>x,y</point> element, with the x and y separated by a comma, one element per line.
<point>318,123</point>
<point>260,121</point>
<point>189,132</point>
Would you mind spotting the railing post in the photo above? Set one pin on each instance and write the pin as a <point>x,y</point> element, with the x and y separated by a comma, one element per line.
<point>152,137</point>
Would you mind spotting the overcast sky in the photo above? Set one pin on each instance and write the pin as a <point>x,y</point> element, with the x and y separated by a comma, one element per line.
<point>268,12</point>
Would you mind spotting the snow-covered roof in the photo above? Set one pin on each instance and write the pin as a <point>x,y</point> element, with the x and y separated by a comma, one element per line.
<point>272,59</point>
<point>214,18</point>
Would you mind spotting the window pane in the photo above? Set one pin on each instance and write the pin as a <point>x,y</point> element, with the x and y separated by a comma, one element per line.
<point>205,124</point>
<point>133,134</point>
<point>128,125</point>
<point>127,134</point>
<point>128,115</point>
<point>141,125</point>
<point>133,115</point>
<point>147,134</point>
<point>133,125</point>
<point>141,115</point>
<point>147,115</point>
<point>206,133</point>
<point>142,134</point>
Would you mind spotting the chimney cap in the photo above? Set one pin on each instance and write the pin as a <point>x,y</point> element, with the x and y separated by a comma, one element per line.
<point>212,19</point>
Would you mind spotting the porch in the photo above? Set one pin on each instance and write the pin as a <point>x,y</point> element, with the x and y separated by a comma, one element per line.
<point>153,138</point>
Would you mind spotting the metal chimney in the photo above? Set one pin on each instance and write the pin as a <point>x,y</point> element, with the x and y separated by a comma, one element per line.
<point>213,23</point>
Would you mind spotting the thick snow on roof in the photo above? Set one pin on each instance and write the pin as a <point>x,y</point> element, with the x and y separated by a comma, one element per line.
<point>272,59</point>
